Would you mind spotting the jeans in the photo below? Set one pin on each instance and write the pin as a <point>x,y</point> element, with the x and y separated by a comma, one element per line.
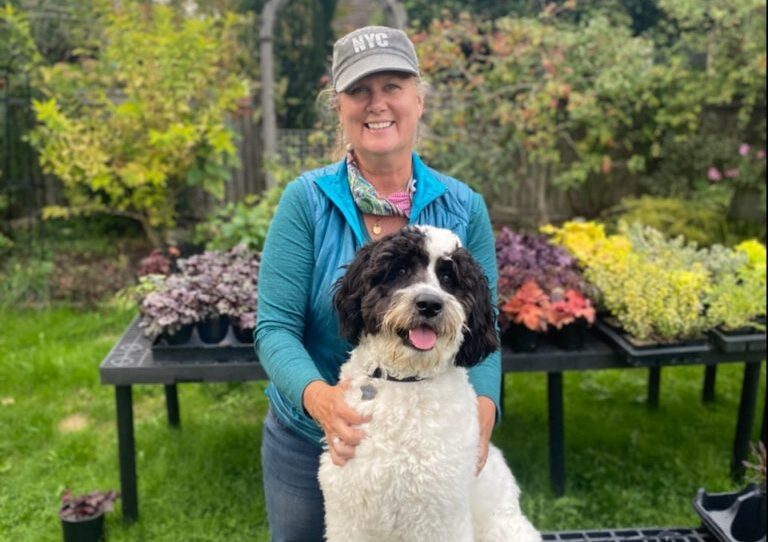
<point>293,497</point>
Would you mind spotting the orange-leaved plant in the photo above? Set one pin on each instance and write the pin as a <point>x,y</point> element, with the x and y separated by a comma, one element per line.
<point>528,306</point>
<point>567,306</point>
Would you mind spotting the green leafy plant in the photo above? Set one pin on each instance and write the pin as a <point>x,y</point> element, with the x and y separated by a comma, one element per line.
<point>247,222</point>
<point>756,466</point>
<point>699,220</point>
<point>738,295</point>
<point>128,131</point>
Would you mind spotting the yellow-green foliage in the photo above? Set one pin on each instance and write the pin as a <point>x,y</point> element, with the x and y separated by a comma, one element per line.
<point>700,221</point>
<point>125,132</point>
<point>666,289</point>
<point>738,297</point>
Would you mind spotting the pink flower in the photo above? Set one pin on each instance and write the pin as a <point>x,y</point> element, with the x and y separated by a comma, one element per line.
<point>760,154</point>
<point>732,173</point>
<point>744,149</point>
<point>714,174</point>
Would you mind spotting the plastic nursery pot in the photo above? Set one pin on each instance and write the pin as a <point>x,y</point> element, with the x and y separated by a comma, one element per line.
<point>213,330</point>
<point>733,517</point>
<point>243,335</point>
<point>89,529</point>
<point>521,339</point>
<point>571,336</point>
<point>181,336</point>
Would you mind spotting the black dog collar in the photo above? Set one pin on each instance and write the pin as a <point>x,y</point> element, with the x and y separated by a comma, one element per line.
<point>377,373</point>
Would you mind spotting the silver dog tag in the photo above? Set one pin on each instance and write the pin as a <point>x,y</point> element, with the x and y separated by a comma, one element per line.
<point>369,392</point>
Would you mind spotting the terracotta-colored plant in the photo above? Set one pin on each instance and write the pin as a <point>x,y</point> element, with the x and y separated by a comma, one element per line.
<point>528,306</point>
<point>566,307</point>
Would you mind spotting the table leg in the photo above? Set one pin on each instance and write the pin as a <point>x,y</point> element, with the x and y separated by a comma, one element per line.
<point>556,433</point>
<point>172,405</point>
<point>708,391</point>
<point>127,453</point>
<point>747,404</point>
<point>654,385</point>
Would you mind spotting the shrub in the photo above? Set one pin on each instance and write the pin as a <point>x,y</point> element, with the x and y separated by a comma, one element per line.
<point>246,222</point>
<point>702,221</point>
<point>126,132</point>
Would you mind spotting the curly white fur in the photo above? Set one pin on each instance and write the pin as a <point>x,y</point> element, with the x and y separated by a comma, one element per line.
<point>413,476</point>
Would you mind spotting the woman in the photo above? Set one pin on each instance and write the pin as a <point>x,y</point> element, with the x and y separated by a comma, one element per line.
<point>324,216</point>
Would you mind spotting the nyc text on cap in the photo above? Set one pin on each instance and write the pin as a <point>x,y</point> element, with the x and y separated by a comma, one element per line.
<point>371,49</point>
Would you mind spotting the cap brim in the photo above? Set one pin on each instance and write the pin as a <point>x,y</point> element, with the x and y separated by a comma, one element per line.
<point>373,64</point>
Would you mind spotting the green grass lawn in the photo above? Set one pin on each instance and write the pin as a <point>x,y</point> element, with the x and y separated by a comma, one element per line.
<point>626,465</point>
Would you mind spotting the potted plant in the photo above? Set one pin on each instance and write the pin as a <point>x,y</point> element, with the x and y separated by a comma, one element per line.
<point>527,311</point>
<point>204,272</point>
<point>654,288</point>
<point>170,310</point>
<point>569,315</point>
<point>738,516</point>
<point>738,300</point>
<point>236,291</point>
<point>82,516</point>
<point>549,271</point>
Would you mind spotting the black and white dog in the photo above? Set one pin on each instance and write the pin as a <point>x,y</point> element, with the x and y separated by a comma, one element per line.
<point>417,307</point>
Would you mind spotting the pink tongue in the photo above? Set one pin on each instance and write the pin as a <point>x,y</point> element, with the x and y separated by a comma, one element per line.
<point>422,337</point>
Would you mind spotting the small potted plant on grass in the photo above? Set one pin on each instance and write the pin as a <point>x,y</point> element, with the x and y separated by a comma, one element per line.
<point>82,516</point>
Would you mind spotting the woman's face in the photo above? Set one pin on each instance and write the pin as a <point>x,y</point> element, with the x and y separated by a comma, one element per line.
<point>380,114</point>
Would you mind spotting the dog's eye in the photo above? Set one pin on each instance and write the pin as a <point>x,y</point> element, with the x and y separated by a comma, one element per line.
<point>446,279</point>
<point>401,271</point>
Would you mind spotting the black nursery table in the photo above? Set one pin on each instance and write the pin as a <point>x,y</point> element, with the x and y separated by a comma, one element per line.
<point>133,361</point>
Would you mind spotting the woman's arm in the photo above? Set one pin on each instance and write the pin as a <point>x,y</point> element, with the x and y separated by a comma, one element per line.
<point>284,283</point>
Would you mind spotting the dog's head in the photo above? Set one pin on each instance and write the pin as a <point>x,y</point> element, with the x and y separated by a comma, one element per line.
<point>421,292</point>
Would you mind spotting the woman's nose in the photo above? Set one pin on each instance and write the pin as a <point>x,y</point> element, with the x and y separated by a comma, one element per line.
<point>377,103</point>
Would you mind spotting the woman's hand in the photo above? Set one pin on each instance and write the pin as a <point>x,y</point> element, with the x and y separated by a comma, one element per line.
<point>326,405</point>
<point>486,410</point>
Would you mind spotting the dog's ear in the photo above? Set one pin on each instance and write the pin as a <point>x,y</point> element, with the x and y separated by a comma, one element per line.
<point>480,338</point>
<point>349,291</point>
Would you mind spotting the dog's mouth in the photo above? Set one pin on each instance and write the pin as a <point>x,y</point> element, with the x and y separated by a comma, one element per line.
<point>420,337</point>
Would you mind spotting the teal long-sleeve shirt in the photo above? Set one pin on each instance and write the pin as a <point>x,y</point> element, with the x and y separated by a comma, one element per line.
<point>315,232</point>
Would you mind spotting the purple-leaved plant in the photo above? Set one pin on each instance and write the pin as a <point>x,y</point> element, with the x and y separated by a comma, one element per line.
<point>209,284</point>
<point>523,257</point>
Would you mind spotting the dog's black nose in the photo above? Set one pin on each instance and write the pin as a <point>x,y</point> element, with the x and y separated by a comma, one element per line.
<point>428,305</point>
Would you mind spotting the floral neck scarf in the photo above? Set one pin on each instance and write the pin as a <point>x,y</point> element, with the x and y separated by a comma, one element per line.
<point>369,202</point>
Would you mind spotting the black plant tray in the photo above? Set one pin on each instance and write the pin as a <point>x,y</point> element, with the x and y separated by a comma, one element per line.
<point>654,355</point>
<point>631,535</point>
<point>228,349</point>
<point>738,342</point>
<point>733,517</point>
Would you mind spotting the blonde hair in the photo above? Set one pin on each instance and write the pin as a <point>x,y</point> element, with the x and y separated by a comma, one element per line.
<point>328,104</point>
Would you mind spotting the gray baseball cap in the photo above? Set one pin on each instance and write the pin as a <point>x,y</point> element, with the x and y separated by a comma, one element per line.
<point>371,49</point>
